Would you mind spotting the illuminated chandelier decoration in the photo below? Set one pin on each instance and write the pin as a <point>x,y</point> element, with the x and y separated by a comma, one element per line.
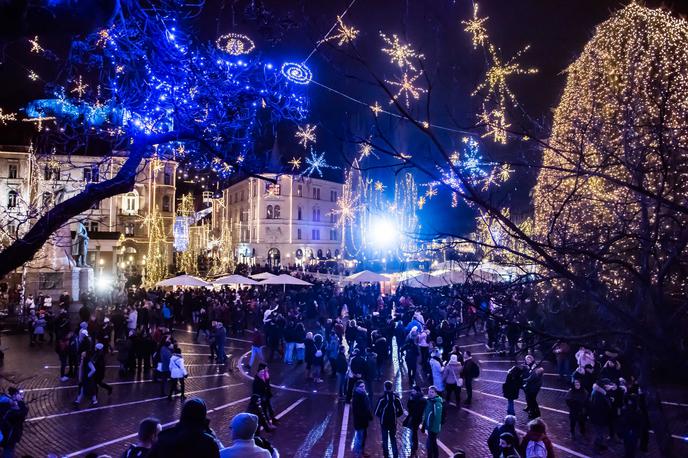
<point>235,44</point>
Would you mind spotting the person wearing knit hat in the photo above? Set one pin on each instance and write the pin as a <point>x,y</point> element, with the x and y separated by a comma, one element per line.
<point>451,375</point>
<point>243,427</point>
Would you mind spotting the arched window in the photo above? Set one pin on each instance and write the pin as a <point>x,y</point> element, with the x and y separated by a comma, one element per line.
<point>12,199</point>
<point>130,204</point>
<point>166,204</point>
<point>336,253</point>
<point>298,214</point>
<point>268,213</point>
<point>277,212</point>
<point>329,254</point>
<point>299,253</point>
<point>320,254</point>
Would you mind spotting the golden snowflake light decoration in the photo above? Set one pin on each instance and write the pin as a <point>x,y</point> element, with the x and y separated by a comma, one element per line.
<point>476,28</point>
<point>399,53</point>
<point>421,202</point>
<point>306,135</point>
<point>344,34</point>
<point>79,88</point>
<point>36,46</point>
<point>235,44</point>
<point>295,163</point>
<point>376,108</point>
<point>365,149</point>
<point>4,117</point>
<point>379,186</point>
<point>407,88</point>
<point>431,192</point>
<point>495,124</point>
<point>505,172</point>
<point>497,75</point>
<point>33,76</point>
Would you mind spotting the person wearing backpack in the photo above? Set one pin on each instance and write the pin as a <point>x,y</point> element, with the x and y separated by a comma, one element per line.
<point>388,409</point>
<point>432,421</point>
<point>471,371</point>
<point>149,429</point>
<point>535,443</point>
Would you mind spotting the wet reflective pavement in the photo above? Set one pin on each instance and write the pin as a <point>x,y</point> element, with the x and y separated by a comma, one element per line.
<point>311,417</point>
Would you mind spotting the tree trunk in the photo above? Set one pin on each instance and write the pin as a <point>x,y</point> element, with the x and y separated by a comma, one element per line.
<point>23,249</point>
<point>658,421</point>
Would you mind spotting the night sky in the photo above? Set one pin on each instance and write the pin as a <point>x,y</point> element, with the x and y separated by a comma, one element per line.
<point>286,30</point>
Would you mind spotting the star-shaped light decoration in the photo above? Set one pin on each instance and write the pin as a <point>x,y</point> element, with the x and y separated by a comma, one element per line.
<point>376,109</point>
<point>33,76</point>
<point>400,53</point>
<point>431,192</point>
<point>295,163</point>
<point>344,34</point>
<point>315,163</point>
<point>347,207</point>
<point>421,202</point>
<point>407,88</point>
<point>505,172</point>
<point>4,117</point>
<point>306,135</point>
<point>79,88</point>
<point>36,46</point>
<point>476,28</point>
<point>495,125</point>
<point>379,186</point>
<point>39,120</point>
<point>365,149</point>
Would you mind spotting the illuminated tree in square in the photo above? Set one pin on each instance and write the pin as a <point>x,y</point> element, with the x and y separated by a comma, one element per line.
<point>143,81</point>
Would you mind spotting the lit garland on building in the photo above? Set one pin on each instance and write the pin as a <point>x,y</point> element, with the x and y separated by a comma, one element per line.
<point>155,267</point>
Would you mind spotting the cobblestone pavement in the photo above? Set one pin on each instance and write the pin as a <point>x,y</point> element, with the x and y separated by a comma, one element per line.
<point>311,417</point>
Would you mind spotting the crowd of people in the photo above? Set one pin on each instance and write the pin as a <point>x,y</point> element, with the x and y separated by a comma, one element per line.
<point>351,334</point>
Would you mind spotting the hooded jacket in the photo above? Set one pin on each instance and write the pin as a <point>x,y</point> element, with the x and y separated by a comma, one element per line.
<point>388,409</point>
<point>432,417</point>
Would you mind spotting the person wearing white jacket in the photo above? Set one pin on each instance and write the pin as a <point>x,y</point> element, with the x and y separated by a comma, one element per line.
<point>178,373</point>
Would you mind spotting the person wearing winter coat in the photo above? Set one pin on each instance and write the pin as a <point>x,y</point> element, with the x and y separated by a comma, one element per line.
<point>178,373</point>
<point>100,363</point>
<point>451,376</point>
<point>531,387</point>
<point>87,384</point>
<point>576,400</point>
<point>388,409</point>
<point>416,409</point>
<point>341,366</point>
<point>471,370</point>
<point>507,446</point>
<point>164,365</point>
<point>630,425</point>
<point>432,421</point>
<point>509,426</point>
<point>362,415</point>
<point>220,341</point>
<point>12,426</point>
<point>436,372</point>
<point>310,350</point>
<point>332,353</point>
<point>262,387</point>
<point>536,443</point>
<point>192,436</point>
<point>511,387</point>
<point>599,411</point>
<point>411,354</point>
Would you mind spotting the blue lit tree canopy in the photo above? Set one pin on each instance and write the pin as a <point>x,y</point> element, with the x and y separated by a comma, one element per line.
<point>143,82</point>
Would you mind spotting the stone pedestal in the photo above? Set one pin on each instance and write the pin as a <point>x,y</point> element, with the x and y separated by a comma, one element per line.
<point>53,283</point>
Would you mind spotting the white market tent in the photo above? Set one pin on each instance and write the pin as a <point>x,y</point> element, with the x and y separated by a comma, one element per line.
<point>284,279</point>
<point>234,280</point>
<point>424,281</point>
<point>262,276</point>
<point>366,276</point>
<point>183,280</point>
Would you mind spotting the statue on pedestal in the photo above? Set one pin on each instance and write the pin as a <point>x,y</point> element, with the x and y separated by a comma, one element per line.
<point>80,246</point>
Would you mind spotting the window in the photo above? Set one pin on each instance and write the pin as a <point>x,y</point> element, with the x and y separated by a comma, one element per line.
<point>315,233</point>
<point>328,254</point>
<point>245,234</point>
<point>316,193</point>
<point>299,190</point>
<point>272,189</point>
<point>316,214</point>
<point>130,205</point>
<point>299,253</point>
<point>277,212</point>
<point>13,171</point>
<point>242,195</point>
<point>51,172</point>
<point>298,214</point>
<point>268,212</point>
<point>167,177</point>
<point>129,229</point>
<point>166,204</point>
<point>12,230</point>
<point>336,253</point>
<point>12,199</point>
<point>93,226</point>
<point>332,217</point>
<point>333,234</point>
<point>333,196</point>
<point>320,254</point>
<point>91,174</point>
<point>96,205</point>
<point>243,215</point>
<point>298,234</point>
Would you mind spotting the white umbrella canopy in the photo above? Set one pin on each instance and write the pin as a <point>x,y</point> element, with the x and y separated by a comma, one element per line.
<point>183,280</point>
<point>284,279</point>
<point>366,276</point>
<point>424,281</point>
<point>234,280</point>
<point>262,276</point>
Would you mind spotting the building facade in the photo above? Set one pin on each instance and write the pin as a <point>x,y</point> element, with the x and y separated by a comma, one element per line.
<point>118,234</point>
<point>289,222</point>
